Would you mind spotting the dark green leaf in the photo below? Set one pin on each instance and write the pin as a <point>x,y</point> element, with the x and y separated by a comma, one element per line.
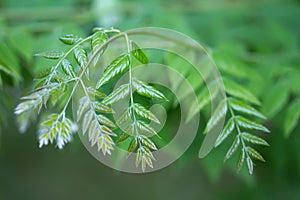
<point>132,145</point>
<point>104,120</point>
<point>102,108</point>
<point>122,137</point>
<point>241,160</point>
<point>291,117</point>
<point>249,164</point>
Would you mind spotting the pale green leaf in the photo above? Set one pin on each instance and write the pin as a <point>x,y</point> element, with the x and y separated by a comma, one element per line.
<point>145,128</point>
<point>98,38</point>
<point>102,108</point>
<point>241,160</point>
<point>80,55</point>
<point>51,54</point>
<point>122,137</point>
<point>68,69</point>
<point>147,142</point>
<point>247,124</point>
<point>244,108</point>
<point>87,119</point>
<point>145,113</point>
<point>229,127</point>
<point>147,90</point>
<point>84,102</point>
<point>132,145</point>
<point>117,67</point>
<point>250,164</point>
<point>253,139</point>
<point>254,154</point>
<point>118,94</point>
<point>69,39</point>
<point>105,121</point>
<point>233,148</point>
<point>217,116</point>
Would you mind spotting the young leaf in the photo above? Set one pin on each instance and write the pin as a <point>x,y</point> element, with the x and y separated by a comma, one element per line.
<point>83,105</point>
<point>253,139</point>
<point>241,160</point>
<point>69,39</point>
<point>143,112</point>
<point>233,148</point>
<point>249,164</point>
<point>147,142</point>
<point>118,94</point>
<point>102,108</point>
<point>219,113</point>
<point>117,66</point>
<point>138,53</point>
<point>245,123</point>
<point>68,69</point>
<point>99,37</point>
<point>244,108</point>
<point>147,90</point>
<point>95,93</point>
<point>254,154</point>
<point>145,128</point>
<point>51,54</point>
<point>80,55</point>
<point>229,127</point>
<point>124,117</point>
<point>104,120</point>
<point>87,119</point>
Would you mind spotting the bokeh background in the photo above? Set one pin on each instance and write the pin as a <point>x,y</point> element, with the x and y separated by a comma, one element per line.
<point>256,42</point>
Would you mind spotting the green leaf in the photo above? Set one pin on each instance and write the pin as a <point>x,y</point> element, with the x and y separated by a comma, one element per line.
<point>68,69</point>
<point>104,120</point>
<point>102,108</point>
<point>244,108</point>
<point>145,113</point>
<point>69,39</point>
<point>219,113</point>
<point>233,148</point>
<point>80,55</point>
<point>147,90</point>
<point>147,142</point>
<point>118,94</point>
<point>145,128</point>
<point>95,93</point>
<point>87,119</point>
<point>44,73</point>
<point>51,54</point>
<point>249,164</point>
<point>291,117</point>
<point>253,139</point>
<point>84,103</point>
<point>122,137</point>
<point>254,154</point>
<point>117,67</point>
<point>275,99</point>
<point>138,53</point>
<point>238,91</point>
<point>229,127</point>
<point>124,117</point>
<point>247,124</point>
<point>98,38</point>
<point>241,160</point>
<point>132,145</point>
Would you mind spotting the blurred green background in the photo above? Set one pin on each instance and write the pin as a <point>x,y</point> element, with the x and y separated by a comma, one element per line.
<point>254,42</point>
